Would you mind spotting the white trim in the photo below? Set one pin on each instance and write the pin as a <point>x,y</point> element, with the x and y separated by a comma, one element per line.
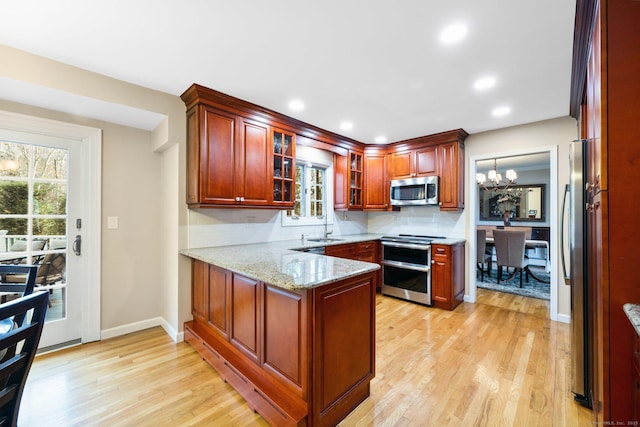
<point>553,221</point>
<point>308,157</point>
<point>564,318</point>
<point>91,145</point>
<point>142,325</point>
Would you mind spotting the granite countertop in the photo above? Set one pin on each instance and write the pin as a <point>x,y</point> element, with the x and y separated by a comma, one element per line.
<point>633,313</point>
<point>282,263</point>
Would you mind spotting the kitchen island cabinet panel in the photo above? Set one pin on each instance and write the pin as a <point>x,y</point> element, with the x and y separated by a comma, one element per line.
<point>199,290</point>
<point>345,315</point>
<point>301,357</point>
<point>219,294</point>
<point>245,312</point>
<point>285,348</point>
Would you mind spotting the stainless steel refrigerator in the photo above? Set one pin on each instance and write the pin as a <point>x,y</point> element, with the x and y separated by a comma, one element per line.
<point>576,272</point>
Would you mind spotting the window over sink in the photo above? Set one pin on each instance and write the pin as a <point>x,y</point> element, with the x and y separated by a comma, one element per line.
<point>313,198</point>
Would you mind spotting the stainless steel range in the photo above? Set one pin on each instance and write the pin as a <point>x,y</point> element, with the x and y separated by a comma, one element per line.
<point>406,267</point>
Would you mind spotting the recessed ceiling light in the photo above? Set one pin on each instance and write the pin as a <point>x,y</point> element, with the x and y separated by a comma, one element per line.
<point>380,139</point>
<point>346,125</point>
<point>501,111</point>
<point>453,33</point>
<point>296,105</point>
<point>484,83</point>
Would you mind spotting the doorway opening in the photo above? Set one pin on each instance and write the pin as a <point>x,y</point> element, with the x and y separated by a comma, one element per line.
<point>537,169</point>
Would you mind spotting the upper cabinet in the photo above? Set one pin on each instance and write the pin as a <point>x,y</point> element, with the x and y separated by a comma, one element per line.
<point>236,158</point>
<point>284,167</point>
<point>376,180</point>
<point>356,179</point>
<point>243,155</point>
<point>228,159</point>
<point>451,165</point>
<point>439,155</point>
<point>413,163</point>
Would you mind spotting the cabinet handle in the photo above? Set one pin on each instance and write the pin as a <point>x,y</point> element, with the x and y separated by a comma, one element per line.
<point>433,262</point>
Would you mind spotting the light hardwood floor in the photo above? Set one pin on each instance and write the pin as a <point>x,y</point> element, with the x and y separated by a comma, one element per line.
<point>498,362</point>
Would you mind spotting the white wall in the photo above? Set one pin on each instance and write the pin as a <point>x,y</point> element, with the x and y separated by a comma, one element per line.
<point>138,283</point>
<point>423,220</point>
<point>555,132</point>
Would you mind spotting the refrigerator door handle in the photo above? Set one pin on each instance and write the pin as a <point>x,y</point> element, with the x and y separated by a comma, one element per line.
<point>567,278</point>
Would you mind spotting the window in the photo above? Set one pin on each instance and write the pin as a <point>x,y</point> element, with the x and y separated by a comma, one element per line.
<point>312,198</point>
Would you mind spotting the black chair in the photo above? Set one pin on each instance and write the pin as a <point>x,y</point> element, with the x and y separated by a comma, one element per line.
<point>17,280</point>
<point>482,256</point>
<point>24,336</point>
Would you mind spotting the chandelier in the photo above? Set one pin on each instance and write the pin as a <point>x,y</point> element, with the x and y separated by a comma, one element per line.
<point>495,181</point>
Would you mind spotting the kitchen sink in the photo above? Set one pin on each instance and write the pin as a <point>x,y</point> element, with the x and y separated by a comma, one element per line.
<point>324,239</point>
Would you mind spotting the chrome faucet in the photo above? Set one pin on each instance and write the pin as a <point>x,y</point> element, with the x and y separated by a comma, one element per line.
<point>326,233</point>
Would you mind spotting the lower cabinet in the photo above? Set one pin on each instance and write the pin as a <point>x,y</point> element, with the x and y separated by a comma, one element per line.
<point>362,251</point>
<point>298,357</point>
<point>447,275</point>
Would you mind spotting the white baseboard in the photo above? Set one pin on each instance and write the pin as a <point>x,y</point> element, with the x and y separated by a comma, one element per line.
<point>139,326</point>
<point>564,318</point>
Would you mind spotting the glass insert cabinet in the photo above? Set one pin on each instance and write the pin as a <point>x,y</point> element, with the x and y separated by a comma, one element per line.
<point>355,179</point>
<point>283,166</point>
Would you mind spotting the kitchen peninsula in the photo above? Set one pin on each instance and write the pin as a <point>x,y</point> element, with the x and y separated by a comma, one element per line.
<point>293,332</point>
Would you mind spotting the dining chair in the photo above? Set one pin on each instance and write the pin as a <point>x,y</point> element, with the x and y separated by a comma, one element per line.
<point>17,280</point>
<point>482,256</point>
<point>510,245</point>
<point>19,344</point>
<point>49,271</point>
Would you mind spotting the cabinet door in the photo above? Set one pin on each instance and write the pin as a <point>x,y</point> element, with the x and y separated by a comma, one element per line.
<point>376,186</point>
<point>284,167</point>
<point>340,182</point>
<point>218,300</point>
<point>401,165</point>
<point>254,172</point>
<point>355,179</point>
<point>199,289</point>
<point>349,251</point>
<point>217,166</point>
<point>245,315</point>
<point>451,165</point>
<point>426,161</point>
<point>440,275</point>
<point>286,339</point>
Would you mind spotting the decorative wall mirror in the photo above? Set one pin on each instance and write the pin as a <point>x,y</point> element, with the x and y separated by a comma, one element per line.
<point>516,202</point>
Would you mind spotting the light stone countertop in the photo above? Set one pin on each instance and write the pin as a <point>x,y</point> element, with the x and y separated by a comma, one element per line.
<point>633,313</point>
<point>282,263</point>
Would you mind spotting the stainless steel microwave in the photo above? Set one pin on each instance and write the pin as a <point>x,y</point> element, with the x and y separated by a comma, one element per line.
<point>414,191</point>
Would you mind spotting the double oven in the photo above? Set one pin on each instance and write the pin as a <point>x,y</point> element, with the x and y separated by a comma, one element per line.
<point>406,267</point>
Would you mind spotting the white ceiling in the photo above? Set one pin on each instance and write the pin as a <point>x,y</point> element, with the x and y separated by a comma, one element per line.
<point>379,64</point>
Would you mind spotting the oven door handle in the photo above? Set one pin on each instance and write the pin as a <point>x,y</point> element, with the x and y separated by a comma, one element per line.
<point>407,266</point>
<point>407,246</point>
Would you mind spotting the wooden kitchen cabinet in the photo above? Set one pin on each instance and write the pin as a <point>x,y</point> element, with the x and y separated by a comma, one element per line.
<point>451,166</point>
<point>340,182</point>
<point>356,179</point>
<point>604,99</point>
<point>413,163</point>
<point>362,251</point>
<point>348,181</point>
<point>284,167</point>
<point>441,155</point>
<point>298,357</point>
<point>237,155</point>
<point>376,183</point>
<point>447,275</point>
<point>228,159</point>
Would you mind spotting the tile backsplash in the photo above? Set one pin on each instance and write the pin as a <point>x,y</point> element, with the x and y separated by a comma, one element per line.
<point>220,227</point>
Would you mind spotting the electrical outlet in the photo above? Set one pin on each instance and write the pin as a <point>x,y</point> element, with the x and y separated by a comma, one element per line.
<point>112,222</point>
